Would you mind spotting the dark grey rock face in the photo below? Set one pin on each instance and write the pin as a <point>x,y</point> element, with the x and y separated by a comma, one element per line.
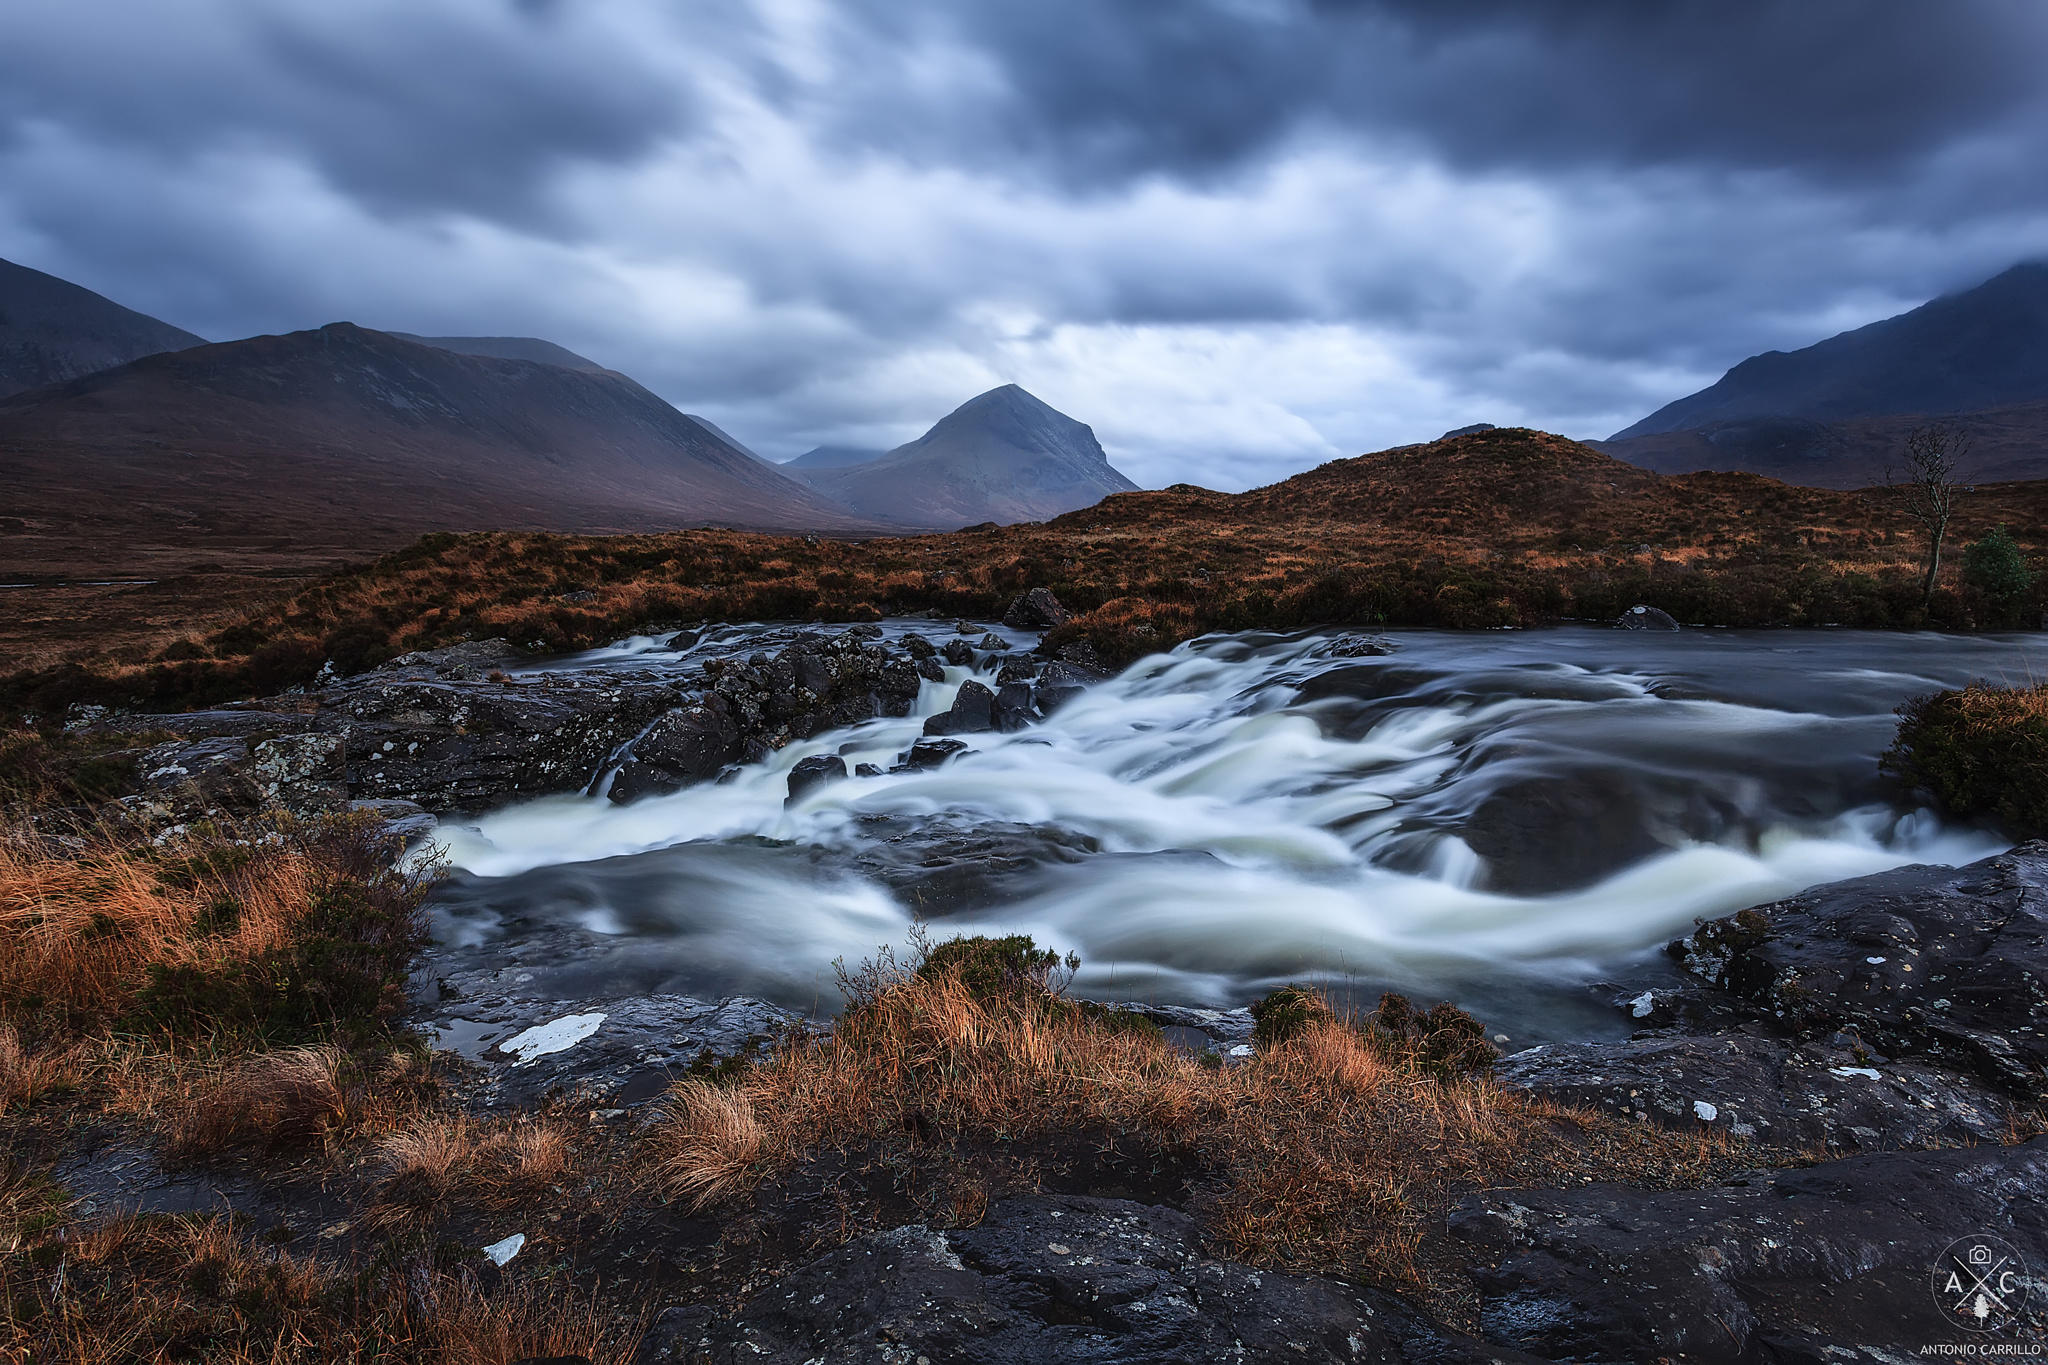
<point>1640,617</point>
<point>616,1053</point>
<point>1836,1095</point>
<point>686,745</point>
<point>972,712</point>
<point>1037,609</point>
<point>930,753</point>
<point>1062,1278</point>
<point>1950,964</point>
<point>815,772</point>
<point>416,734</point>
<point>1830,1263</point>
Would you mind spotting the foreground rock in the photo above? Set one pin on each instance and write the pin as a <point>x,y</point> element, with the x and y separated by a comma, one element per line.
<point>1898,1010</point>
<point>1061,1278</point>
<point>1945,963</point>
<point>1831,1263</point>
<point>1832,1094</point>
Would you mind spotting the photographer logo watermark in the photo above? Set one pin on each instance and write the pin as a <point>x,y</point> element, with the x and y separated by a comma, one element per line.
<point>1980,1284</point>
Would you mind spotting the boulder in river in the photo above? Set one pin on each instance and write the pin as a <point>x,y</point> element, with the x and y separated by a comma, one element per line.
<point>930,753</point>
<point>815,771</point>
<point>1640,617</point>
<point>1941,962</point>
<point>972,712</point>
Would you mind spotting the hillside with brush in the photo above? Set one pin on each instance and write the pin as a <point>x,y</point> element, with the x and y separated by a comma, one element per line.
<point>1497,528</point>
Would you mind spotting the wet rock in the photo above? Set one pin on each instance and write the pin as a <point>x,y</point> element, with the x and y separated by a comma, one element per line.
<point>959,653</point>
<point>1054,1278</point>
<point>686,745</point>
<point>1060,683</point>
<point>1017,668</point>
<point>946,864</point>
<point>815,771</point>
<point>449,739</point>
<point>930,753</point>
<point>992,643</point>
<point>866,770</point>
<point>1081,654</point>
<point>1798,1265</point>
<point>972,712</point>
<point>1358,647</point>
<point>1014,707</point>
<point>246,723</point>
<point>1646,618</point>
<point>610,1052</point>
<point>1945,963</point>
<point>400,824</point>
<point>1833,1094</point>
<point>1036,609</point>
<point>815,683</point>
<point>930,669</point>
<point>919,648</point>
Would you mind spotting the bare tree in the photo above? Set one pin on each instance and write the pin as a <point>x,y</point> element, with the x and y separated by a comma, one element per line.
<point>1928,487</point>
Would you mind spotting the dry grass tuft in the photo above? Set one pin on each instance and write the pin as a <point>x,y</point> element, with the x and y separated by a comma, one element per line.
<point>273,1099</point>
<point>430,1161</point>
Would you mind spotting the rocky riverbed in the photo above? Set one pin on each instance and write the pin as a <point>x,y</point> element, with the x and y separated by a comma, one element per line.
<point>1875,1041</point>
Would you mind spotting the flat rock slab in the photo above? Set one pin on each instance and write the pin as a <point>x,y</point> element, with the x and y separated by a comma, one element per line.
<point>1062,1278</point>
<point>1835,1262</point>
<point>1948,963</point>
<point>1814,1095</point>
<point>609,1053</point>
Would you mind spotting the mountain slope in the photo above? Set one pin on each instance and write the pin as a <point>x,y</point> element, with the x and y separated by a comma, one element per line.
<point>832,457</point>
<point>345,436</point>
<point>52,330</point>
<point>1836,414</point>
<point>1986,347</point>
<point>507,348</point>
<point>1003,456</point>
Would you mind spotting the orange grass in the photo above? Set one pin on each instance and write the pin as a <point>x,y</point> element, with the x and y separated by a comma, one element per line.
<point>1328,1147</point>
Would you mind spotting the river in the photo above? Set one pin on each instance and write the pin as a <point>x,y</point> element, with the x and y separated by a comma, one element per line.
<point>1506,819</point>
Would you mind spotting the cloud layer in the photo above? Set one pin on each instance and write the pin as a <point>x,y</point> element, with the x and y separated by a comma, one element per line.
<point>1238,236</point>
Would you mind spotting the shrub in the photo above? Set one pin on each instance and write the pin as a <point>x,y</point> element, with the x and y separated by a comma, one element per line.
<point>1981,752</point>
<point>1995,568</point>
<point>1442,1041</point>
<point>996,968</point>
<point>1286,1014</point>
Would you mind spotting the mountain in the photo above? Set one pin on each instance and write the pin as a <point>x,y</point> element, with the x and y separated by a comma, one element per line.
<point>507,348</point>
<point>52,330</point>
<point>725,436</point>
<point>1834,413</point>
<point>833,457</point>
<point>346,436</point>
<point>1003,457</point>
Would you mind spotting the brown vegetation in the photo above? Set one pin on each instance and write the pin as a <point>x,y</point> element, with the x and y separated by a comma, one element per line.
<point>1331,1147</point>
<point>1979,752</point>
<point>1494,529</point>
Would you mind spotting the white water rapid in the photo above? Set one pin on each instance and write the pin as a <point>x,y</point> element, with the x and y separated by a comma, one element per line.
<point>1498,818</point>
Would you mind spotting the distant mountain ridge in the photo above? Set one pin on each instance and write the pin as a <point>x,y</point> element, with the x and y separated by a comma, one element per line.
<point>1002,456</point>
<point>507,348</point>
<point>834,457</point>
<point>358,437</point>
<point>1834,413</point>
<point>52,330</point>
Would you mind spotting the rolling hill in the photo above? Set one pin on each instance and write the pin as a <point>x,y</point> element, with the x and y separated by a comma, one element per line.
<point>508,348</point>
<point>1003,456</point>
<point>52,330</point>
<point>832,457</point>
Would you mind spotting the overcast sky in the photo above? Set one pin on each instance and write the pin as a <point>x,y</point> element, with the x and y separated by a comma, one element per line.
<point>1238,237</point>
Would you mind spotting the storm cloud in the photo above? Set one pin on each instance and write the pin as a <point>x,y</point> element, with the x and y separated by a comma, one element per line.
<point>1237,236</point>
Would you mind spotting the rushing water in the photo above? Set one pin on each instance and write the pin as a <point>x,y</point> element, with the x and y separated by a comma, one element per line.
<point>1502,818</point>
